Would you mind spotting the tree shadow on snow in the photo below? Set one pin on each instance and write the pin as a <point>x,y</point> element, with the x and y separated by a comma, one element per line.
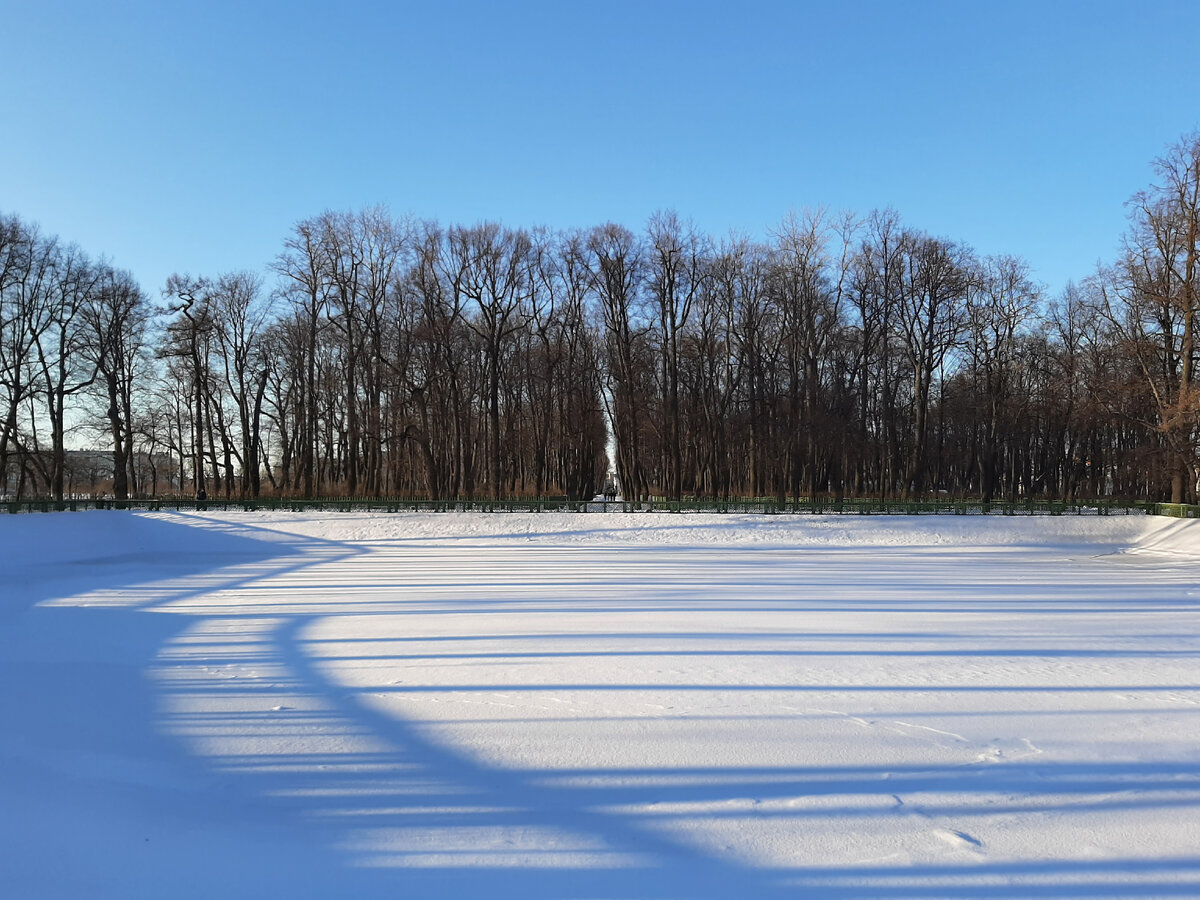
<point>332,796</point>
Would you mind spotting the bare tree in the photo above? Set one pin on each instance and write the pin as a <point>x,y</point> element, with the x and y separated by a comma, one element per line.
<point>874,287</point>
<point>303,265</point>
<point>677,263</point>
<point>28,263</point>
<point>1000,303</point>
<point>615,262</point>
<point>61,358</point>
<point>929,321</point>
<point>189,335</point>
<point>116,322</point>
<point>492,269</point>
<point>240,316</point>
<point>809,298</point>
<point>1152,299</point>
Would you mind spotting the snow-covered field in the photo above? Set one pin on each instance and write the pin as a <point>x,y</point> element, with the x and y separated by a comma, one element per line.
<point>334,705</point>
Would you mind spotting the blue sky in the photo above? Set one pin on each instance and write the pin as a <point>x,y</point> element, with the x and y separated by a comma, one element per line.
<point>192,136</point>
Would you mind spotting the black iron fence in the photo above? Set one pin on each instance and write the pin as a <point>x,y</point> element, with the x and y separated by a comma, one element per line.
<point>759,505</point>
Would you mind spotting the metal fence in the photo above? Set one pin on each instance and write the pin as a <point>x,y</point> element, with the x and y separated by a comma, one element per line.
<point>758,505</point>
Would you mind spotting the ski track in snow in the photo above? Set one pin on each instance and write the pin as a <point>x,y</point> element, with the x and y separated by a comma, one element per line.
<point>600,706</point>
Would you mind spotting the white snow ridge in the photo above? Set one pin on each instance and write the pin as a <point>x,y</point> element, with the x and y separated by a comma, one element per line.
<point>598,706</point>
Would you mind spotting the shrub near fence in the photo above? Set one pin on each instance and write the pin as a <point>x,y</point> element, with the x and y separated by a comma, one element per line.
<point>759,505</point>
<point>1177,510</point>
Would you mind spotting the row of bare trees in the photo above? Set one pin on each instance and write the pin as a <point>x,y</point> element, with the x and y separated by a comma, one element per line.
<point>843,356</point>
<point>392,358</point>
<point>72,332</point>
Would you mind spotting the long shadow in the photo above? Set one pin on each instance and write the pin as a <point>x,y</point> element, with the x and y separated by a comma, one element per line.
<point>527,802</point>
<point>415,816</point>
<point>94,799</point>
<point>392,796</point>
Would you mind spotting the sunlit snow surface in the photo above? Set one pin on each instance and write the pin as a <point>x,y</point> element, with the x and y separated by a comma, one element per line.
<point>545,705</point>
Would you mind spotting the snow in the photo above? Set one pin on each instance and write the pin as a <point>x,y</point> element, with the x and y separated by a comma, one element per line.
<point>598,705</point>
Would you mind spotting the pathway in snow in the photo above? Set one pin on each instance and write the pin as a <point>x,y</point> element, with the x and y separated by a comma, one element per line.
<point>609,706</point>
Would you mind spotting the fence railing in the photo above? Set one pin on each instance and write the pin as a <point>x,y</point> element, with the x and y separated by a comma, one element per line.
<point>759,505</point>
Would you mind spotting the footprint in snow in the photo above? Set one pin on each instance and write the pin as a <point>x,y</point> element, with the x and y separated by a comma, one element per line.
<point>959,839</point>
<point>1002,750</point>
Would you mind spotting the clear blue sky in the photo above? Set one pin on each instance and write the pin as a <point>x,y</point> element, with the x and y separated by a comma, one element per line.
<point>191,136</point>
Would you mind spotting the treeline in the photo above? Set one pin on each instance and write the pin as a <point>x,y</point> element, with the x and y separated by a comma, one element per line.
<point>844,356</point>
